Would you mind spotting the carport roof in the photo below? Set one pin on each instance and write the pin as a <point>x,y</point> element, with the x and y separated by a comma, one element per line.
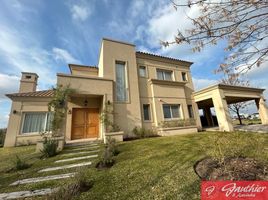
<point>233,94</point>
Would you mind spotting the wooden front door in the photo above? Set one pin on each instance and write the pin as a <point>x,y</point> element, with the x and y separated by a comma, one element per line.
<point>85,123</point>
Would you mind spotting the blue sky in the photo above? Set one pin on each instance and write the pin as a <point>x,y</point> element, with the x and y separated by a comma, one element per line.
<point>44,36</point>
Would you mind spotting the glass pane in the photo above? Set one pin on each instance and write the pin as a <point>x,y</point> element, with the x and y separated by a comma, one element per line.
<point>166,110</point>
<point>168,75</point>
<point>146,112</point>
<point>160,75</point>
<point>175,111</point>
<point>121,90</point>
<point>142,71</point>
<point>184,78</point>
<point>50,116</point>
<point>190,110</point>
<point>34,122</point>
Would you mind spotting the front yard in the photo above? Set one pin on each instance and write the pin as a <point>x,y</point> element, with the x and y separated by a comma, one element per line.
<point>153,168</point>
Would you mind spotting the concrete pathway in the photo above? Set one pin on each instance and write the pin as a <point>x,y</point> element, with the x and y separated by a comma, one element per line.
<point>65,167</point>
<point>258,128</point>
<point>24,194</point>
<point>78,153</point>
<point>41,179</point>
<point>76,158</point>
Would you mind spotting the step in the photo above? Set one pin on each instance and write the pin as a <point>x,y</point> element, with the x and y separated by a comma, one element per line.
<point>65,167</point>
<point>76,158</point>
<point>81,142</point>
<point>41,179</point>
<point>81,146</point>
<point>78,153</point>
<point>24,194</point>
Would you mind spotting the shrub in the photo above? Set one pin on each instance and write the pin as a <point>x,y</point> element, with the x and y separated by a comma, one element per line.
<point>2,137</point>
<point>69,191</point>
<point>178,123</point>
<point>110,150</point>
<point>144,133</point>
<point>49,147</point>
<point>20,164</point>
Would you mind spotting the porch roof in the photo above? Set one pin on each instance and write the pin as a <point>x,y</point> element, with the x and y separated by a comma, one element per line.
<point>42,93</point>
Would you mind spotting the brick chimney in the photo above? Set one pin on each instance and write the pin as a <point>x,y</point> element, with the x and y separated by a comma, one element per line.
<point>28,82</point>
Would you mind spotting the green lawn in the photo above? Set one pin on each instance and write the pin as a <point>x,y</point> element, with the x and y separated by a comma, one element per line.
<point>153,168</point>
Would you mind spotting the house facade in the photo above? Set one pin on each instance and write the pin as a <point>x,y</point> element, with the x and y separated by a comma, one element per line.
<point>144,90</point>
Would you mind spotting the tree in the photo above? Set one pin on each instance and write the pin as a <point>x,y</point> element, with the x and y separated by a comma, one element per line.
<point>242,23</point>
<point>236,80</point>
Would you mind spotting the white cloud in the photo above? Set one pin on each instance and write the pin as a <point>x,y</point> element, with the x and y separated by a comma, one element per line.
<point>80,12</point>
<point>200,83</point>
<point>63,55</point>
<point>8,84</point>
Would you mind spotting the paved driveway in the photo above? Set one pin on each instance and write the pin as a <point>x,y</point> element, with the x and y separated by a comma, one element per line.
<point>252,128</point>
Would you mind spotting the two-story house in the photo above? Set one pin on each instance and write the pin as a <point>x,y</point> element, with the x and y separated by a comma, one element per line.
<point>144,90</point>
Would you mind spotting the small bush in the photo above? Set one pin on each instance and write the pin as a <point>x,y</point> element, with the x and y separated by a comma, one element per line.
<point>178,123</point>
<point>20,164</point>
<point>143,133</point>
<point>49,148</point>
<point>110,150</point>
<point>69,191</point>
<point>2,137</point>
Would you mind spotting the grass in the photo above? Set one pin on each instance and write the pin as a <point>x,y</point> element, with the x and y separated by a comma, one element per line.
<point>247,121</point>
<point>152,168</point>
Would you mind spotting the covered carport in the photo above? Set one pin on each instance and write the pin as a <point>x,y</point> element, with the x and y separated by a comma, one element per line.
<point>220,95</point>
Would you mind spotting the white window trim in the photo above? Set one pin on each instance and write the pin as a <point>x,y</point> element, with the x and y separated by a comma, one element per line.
<point>32,133</point>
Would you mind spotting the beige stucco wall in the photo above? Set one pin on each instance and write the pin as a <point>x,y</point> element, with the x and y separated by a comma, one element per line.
<point>156,93</point>
<point>21,105</point>
<point>127,114</point>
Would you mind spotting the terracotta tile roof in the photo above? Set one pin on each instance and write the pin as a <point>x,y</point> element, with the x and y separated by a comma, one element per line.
<point>165,57</point>
<point>42,93</point>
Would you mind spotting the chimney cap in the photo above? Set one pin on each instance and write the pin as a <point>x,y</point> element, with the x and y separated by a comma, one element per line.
<point>30,73</point>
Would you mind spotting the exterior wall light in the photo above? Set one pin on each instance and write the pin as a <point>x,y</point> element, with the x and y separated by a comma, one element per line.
<point>15,112</point>
<point>69,111</point>
<point>85,102</point>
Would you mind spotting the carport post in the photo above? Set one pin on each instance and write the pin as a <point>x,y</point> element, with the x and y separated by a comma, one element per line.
<point>263,110</point>
<point>222,111</point>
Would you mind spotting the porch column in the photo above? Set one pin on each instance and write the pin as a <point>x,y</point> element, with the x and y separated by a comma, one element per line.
<point>222,111</point>
<point>263,110</point>
<point>208,116</point>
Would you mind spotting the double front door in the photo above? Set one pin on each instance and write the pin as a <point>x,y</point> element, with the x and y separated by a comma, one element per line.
<point>85,123</point>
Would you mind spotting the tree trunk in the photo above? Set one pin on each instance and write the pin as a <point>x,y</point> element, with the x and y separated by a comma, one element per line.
<point>239,118</point>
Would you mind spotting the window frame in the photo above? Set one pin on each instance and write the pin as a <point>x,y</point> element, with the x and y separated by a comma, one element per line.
<point>192,110</point>
<point>149,112</point>
<point>163,71</point>
<point>34,133</point>
<point>171,113</point>
<point>145,70</point>
<point>184,75</point>
<point>126,80</point>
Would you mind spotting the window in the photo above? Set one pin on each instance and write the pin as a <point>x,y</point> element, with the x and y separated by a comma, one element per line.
<point>171,111</point>
<point>28,77</point>
<point>184,76</point>
<point>142,71</point>
<point>190,111</point>
<point>36,122</point>
<point>164,74</point>
<point>146,112</point>
<point>121,82</point>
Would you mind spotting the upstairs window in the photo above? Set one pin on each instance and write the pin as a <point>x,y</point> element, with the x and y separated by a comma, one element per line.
<point>142,71</point>
<point>121,82</point>
<point>171,111</point>
<point>184,76</point>
<point>164,74</point>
